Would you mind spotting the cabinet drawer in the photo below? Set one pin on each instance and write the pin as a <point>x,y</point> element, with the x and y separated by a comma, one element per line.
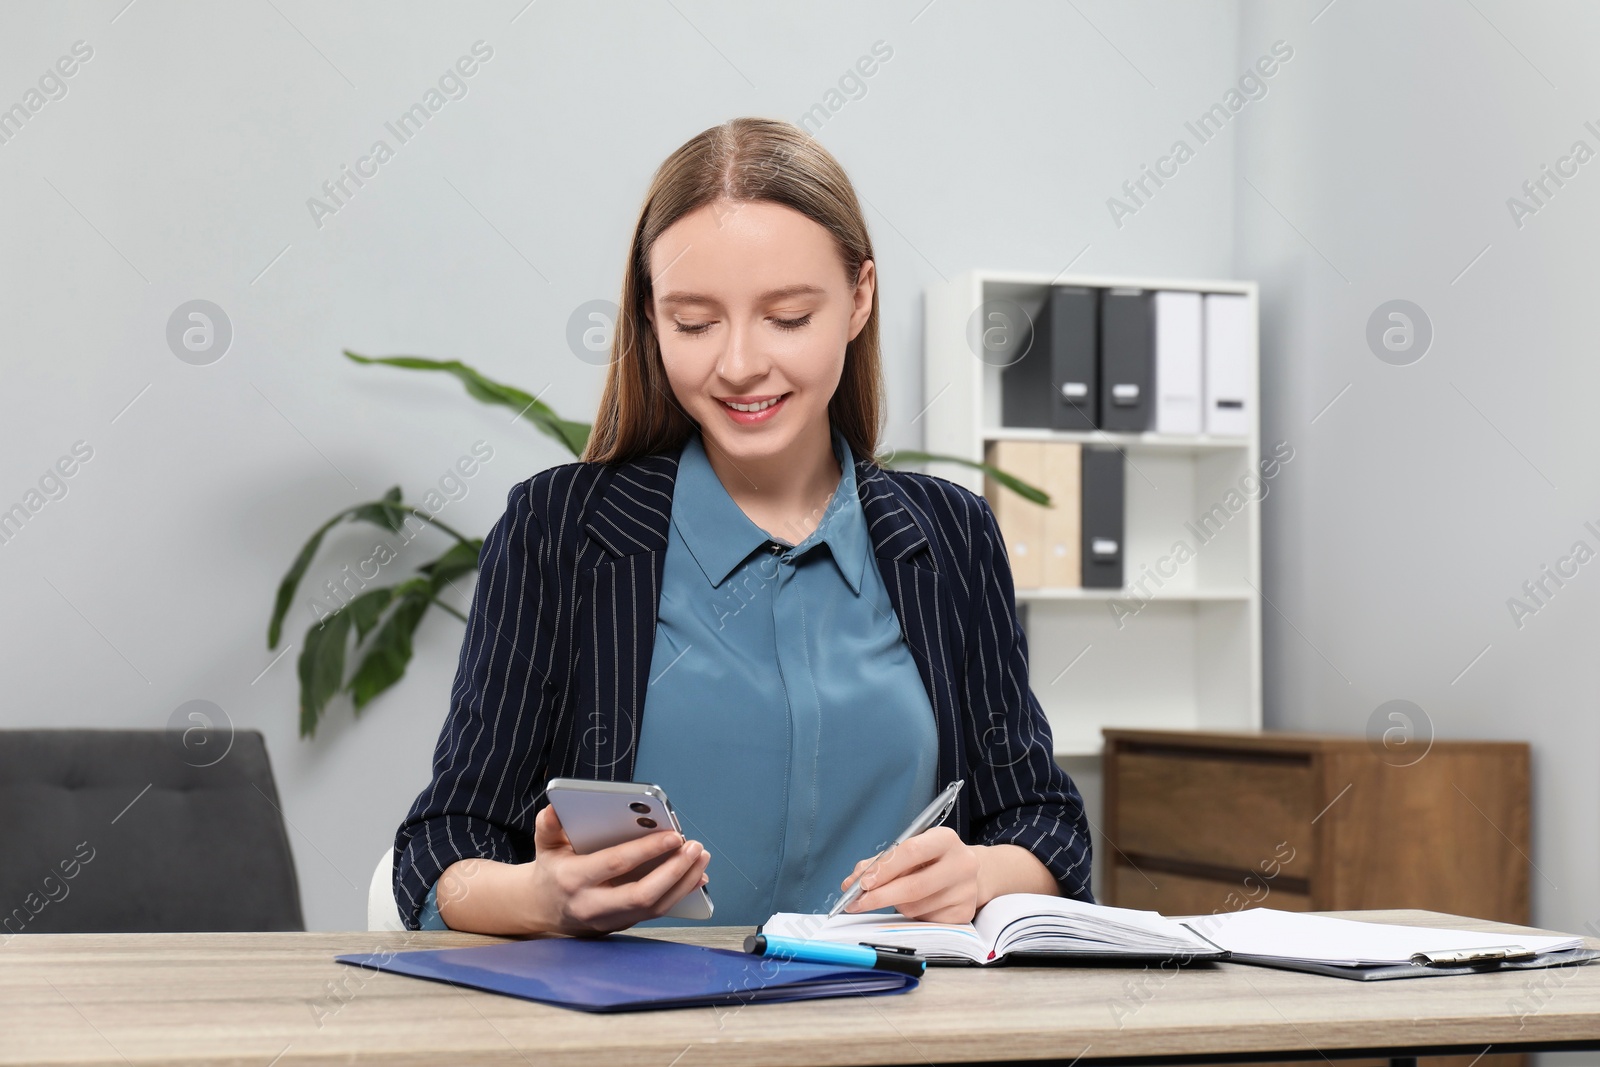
<point>1246,814</point>
<point>1148,889</point>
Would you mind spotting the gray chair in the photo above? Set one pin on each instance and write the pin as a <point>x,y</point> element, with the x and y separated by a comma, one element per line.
<point>142,831</point>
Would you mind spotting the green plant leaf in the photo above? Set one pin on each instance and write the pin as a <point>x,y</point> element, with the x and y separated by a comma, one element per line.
<point>388,512</point>
<point>385,511</point>
<point>322,667</point>
<point>1010,481</point>
<point>461,558</point>
<point>572,435</point>
<point>367,608</point>
<point>390,650</point>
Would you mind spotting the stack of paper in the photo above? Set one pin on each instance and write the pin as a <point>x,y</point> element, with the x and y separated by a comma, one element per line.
<point>1283,935</point>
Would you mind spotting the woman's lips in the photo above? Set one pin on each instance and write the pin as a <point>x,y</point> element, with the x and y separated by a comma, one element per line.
<point>747,418</point>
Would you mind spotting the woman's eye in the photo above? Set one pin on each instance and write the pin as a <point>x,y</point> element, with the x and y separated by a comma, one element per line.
<point>702,327</point>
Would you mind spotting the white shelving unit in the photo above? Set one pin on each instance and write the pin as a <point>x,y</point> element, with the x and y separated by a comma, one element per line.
<point>1166,652</point>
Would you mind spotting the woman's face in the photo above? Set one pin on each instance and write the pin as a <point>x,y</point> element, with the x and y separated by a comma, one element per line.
<point>752,307</point>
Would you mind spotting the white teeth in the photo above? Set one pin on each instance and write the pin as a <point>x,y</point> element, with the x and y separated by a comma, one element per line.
<point>764,405</point>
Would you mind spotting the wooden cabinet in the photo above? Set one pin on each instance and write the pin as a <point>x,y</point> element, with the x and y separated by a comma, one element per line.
<point>1198,823</point>
<point>1205,822</point>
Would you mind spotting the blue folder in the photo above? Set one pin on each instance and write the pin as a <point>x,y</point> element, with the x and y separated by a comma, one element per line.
<point>624,973</point>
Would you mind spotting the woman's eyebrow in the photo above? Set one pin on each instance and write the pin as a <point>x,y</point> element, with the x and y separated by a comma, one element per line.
<point>772,294</point>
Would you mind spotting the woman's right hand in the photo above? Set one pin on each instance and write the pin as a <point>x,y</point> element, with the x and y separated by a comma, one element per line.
<point>573,894</point>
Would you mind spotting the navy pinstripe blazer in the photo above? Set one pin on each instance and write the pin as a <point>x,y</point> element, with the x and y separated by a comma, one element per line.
<point>554,665</point>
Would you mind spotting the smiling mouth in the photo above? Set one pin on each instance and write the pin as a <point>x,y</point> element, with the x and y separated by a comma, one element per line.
<point>759,405</point>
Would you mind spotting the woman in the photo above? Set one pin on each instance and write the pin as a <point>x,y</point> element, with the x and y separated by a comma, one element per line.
<point>729,598</point>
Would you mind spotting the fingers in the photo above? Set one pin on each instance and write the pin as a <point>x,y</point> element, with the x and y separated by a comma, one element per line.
<point>693,878</point>
<point>618,860</point>
<point>918,885</point>
<point>937,893</point>
<point>548,833</point>
<point>907,856</point>
<point>856,872</point>
<point>946,883</point>
<point>955,905</point>
<point>599,906</point>
<point>685,864</point>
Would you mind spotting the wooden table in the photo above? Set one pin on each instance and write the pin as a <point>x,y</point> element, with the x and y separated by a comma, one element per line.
<point>279,999</point>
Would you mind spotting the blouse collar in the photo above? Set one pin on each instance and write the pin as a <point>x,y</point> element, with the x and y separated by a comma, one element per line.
<point>720,536</point>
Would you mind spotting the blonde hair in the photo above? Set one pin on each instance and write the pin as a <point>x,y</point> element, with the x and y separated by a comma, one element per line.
<point>743,160</point>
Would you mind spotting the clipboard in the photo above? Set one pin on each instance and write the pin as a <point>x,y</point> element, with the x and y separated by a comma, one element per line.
<point>1521,961</point>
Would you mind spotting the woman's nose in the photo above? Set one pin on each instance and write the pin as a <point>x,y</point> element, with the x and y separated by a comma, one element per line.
<point>742,360</point>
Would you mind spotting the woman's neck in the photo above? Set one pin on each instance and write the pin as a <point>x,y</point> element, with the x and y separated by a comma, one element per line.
<point>786,494</point>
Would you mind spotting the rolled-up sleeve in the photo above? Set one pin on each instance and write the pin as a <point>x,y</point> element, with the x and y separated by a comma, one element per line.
<point>494,746</point>
<point>1022,796</point>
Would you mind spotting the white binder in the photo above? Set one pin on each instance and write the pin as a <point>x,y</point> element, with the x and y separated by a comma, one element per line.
<point>1177,363</point>
<point>1229,335</point>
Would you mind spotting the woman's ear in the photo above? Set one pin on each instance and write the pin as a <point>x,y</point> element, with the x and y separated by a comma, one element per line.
<point>866,284</point>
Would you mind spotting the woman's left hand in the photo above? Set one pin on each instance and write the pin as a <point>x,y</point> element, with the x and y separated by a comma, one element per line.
<point>932,876</point>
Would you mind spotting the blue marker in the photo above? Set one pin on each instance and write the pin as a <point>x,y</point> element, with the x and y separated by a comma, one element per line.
<point>790,948</point>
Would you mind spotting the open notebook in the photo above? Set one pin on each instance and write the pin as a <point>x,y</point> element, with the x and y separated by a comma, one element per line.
<point>1015,924</point>
<point>1025,924</point>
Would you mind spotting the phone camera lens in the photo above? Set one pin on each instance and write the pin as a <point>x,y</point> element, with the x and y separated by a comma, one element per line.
<point>641,808</point>
<point>648,824</point>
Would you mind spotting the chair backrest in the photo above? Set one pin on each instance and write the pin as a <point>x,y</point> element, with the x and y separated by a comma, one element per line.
<point>142,831</point>
<point>383,913</point>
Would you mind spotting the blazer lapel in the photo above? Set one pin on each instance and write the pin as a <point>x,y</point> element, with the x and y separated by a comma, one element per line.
<point>619,594</point>
<point>910,572</point>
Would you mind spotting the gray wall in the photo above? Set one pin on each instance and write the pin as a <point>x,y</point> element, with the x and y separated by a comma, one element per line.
<point>1424,497</point>
<point>179,163</point>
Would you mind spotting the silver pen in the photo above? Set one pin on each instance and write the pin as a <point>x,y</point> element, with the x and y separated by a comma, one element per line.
<point>931,816</point>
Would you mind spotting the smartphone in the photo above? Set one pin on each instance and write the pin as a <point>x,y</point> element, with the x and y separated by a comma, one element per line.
<point>597,815</point>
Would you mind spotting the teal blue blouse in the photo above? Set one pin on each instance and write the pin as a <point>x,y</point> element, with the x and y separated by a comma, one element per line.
<point>785,716</point>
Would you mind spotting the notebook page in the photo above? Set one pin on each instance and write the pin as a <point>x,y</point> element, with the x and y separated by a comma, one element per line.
<point>1048,922</point>
<point>1265,932</point>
